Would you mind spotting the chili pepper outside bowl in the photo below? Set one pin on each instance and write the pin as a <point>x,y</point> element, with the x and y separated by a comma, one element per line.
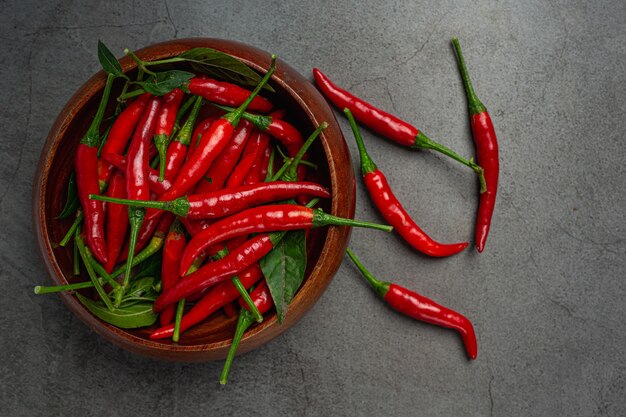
<point>209,340</point>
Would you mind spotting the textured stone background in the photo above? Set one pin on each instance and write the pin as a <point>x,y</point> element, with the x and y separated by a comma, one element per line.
<point>546,297</point>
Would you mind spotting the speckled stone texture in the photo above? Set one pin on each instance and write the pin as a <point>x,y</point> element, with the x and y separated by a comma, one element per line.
<point>546,296</point>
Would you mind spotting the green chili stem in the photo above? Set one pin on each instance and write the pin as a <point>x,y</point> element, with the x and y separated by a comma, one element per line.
<point>367,165</point>
<point>39,289</point>
<point>72,229</point>
<point>379,286</point>
<point>134,93</point>
<point>75,256</point>
<point>164,61</point>
<point>83,251</point>
<point>321,218</point>
<point>270,166</point>
<point>140,64</point>
<point>243,323</point>
<point>180,308</point>
<point>135,217</point>
<point>475,105</point>
<point>153,247</point>
<point>288,172</point>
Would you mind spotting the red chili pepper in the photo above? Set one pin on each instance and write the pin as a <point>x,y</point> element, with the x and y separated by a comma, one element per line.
<point>230,310</point>
<point>258,170</point>
<point>262,299</point>
<point>116,221</point>
<point>172,252</point>
<point>202,127</point>
<point>486,150</point>
<point>120,134</point>
<point>136,174</point>
<point>215,272</point>
<point>391,209</point>
<point>265,219</point>
<point>86,168</point>
<point>157,187</point>
<point>280,130</point>
<point>213,300</point>
<point>421,308</point>
<point>386,124</point>
<point>228,201</point>
<point>165,125</point>
<point>226,161</point>
<point>250,153</point>
<point>225,93</point>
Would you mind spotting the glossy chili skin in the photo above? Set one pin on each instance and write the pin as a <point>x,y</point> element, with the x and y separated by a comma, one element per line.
<point>138,163</point>
<point>374,118</point>
<point>227,94</point>
<point>116,221</point>
<point>424,309</point>
<point>169,109</point>
<point>250,154</point>
<point>85,166</point>
<point>119,135</point>
<point>223,166</point>
<point>486,144</point>
<point>258,169</point>
<point>200,129</point>
<point>172,253</point>
<point>213,300</point>
<point>253,220</point>
<point>156,186</point>
<point>392,210</point>
<point>215,272</point>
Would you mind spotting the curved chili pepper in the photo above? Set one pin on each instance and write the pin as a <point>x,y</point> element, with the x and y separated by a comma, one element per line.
<point>249,157</point>
<point>172,252</point>
<point>486,150</point>
<point>86,168</point>
<point>119,135</point>
<point>226,161</point>
<point>421,308</point>
<point>216,298</point>
<point>211,144</point>
<point>116,221</point>
<point>391,209</point>
<point>222,92</point>
<point>165,125</point>
<point>228,200</point>
<point>202,127</point>
<point>387,124</point>
<point>258,170</point>
<point>215,272</point>
<point>280,130</point>
<point>263,301</point>
<point>270,218</point>
<point>136,174</point>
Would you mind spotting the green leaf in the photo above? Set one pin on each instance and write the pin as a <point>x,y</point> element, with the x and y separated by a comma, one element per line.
<point>130,317</point>
<point>222,66</point>
<point>140,287</point>
<point>284,270</point>
<point>108,61</point>
<point>71,201</point>
<point>165,81</point>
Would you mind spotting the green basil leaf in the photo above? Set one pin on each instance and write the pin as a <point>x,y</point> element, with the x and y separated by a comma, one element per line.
<point>71,201</point>
<point>140,287</point>
<point>284,270</point>
<point>222,66</point>
<point>165,81</point>
<point>130,317</point>
<point>108,61</point>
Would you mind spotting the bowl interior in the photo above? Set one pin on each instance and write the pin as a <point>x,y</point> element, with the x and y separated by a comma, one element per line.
<point>209,339</point>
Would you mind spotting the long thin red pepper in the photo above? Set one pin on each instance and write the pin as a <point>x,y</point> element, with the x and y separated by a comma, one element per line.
<point>215,272</point>
<point>136,174</point>
<point>226,161</point>
<point>259,168</point>
<point>228,201</point>
<point>119,135</point>
<point>156,186</point>
<point>486,152</point>
<point>211,145</point>
<point>391,209</point>
<point>116,221</point>
<point>280,217</point>
<point>263,301</point>
<point>387,124</point>
<point>250,154</point>
<point>165,125</point>
<point>172,253</point>
<point>202,127</point>
<point>215,298</point>
<point>421,308</point>
<point>86,168</point>
<point>225,93</point>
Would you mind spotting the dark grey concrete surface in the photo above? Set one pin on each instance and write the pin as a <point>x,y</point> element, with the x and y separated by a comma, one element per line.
<point>546,297</point>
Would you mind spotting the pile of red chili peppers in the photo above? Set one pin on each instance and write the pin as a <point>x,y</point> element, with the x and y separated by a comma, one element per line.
<point>185,195</point>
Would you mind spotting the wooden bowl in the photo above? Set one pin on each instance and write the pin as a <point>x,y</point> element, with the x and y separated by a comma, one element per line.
<point>209,340</point>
